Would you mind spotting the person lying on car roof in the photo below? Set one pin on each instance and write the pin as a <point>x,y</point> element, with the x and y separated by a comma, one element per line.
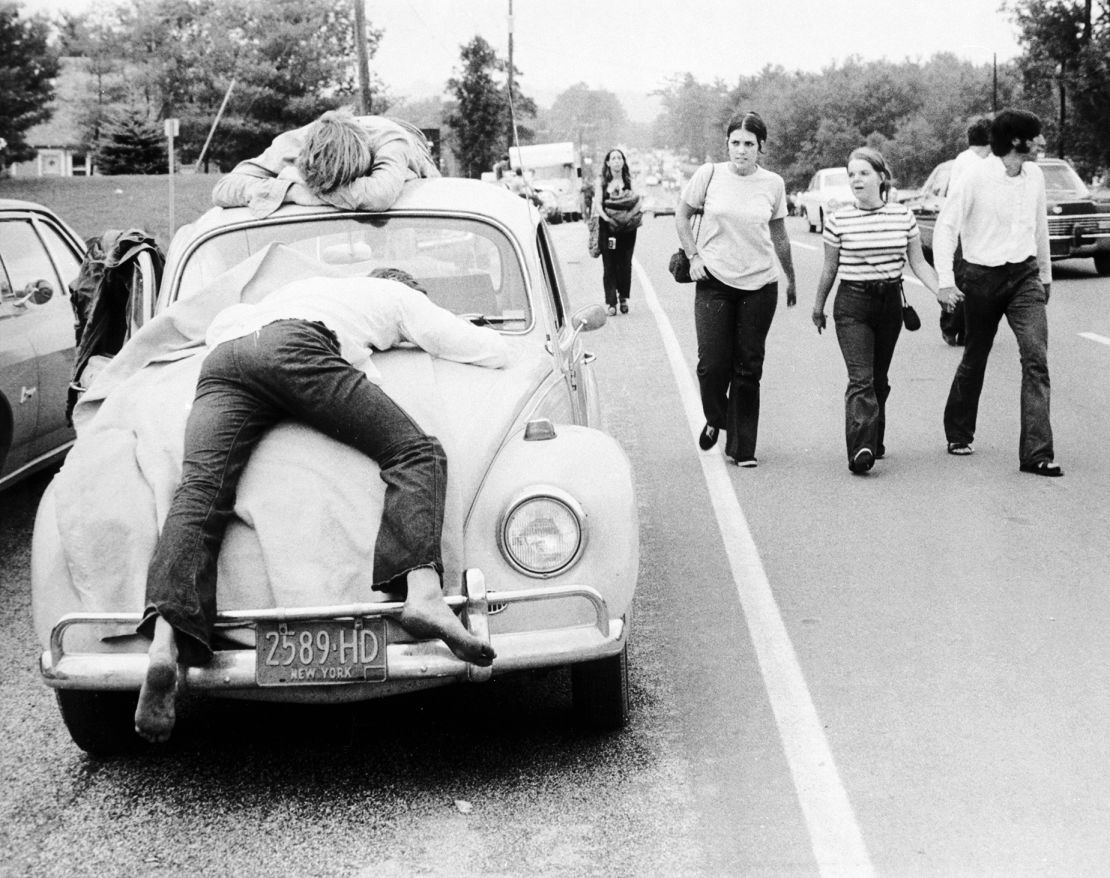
<point>347,161</point>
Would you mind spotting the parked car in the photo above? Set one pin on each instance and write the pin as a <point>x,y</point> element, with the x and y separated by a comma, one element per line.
<point>39,256</point>
<point>540,543</point>
<point>828,189</point>
<point>1078,225</point>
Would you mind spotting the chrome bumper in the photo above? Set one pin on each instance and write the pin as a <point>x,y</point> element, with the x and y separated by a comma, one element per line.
<point>430,661</point>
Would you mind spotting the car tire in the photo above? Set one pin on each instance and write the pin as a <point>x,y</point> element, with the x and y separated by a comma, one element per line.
<point>1102,264</point>
<point>809,222</point>
<point>100,723</point>
<point>820,221</point>
<point>600,692</point>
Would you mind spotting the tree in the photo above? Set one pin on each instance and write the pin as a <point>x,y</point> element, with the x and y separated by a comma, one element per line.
<point>27,68</point>
<point>481,113</point>
<point>587,116</point>
<point>290,61</point>
<point>692,114</point>
<point>1066,45</point>
<point>132,143</point>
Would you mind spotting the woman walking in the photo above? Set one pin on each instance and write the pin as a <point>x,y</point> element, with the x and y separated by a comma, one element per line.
<point>742,229</point>
<point>619,215</point>
<point>869,245</point>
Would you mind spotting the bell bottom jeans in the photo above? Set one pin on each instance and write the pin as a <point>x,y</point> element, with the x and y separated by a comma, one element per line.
<point>287,369</point>
<point>868,319</point>
<point>732,327</point>
<point>1013,291</point>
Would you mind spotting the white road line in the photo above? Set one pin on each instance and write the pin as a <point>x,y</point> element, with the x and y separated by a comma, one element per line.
<point>1094,336</point>
<point>834,834</point>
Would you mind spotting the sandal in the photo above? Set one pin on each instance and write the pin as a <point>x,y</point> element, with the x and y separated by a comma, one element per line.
<point>1042,468</point>
<point>960,449</point>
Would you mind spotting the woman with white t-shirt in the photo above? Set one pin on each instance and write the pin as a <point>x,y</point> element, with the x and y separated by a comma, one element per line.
<point>732,260</point>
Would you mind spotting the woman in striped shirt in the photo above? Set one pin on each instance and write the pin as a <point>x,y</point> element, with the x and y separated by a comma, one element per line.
<point>869,245</point>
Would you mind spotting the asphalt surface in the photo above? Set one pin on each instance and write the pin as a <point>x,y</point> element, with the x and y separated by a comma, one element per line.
<point>934,702</point>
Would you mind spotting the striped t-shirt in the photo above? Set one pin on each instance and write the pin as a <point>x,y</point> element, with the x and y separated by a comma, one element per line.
<point>872,242</point>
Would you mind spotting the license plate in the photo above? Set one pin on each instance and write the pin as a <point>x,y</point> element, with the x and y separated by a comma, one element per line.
<point>323,651</point>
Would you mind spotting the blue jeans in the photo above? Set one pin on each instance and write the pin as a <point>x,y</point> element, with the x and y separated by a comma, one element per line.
<point>732,327</point>
<point>1013,291</point>
<point>288,369</point>
<point>868,320</point>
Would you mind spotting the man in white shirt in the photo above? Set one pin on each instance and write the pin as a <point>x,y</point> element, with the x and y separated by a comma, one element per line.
<point>978,148</point>
<point>297,354</point>
<point>999,216</point>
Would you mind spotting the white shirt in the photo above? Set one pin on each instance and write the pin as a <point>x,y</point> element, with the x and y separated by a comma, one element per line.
<point>367,313</point>
<point>966,160</point>
<point>734,236</point>
<point>997,218</point>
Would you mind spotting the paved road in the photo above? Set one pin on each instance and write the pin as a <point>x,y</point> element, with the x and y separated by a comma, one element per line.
<point>902,674</point>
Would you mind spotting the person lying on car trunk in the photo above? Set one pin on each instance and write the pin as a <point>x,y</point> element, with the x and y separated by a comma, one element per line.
<point>304,353</point>
<point>347,161</point>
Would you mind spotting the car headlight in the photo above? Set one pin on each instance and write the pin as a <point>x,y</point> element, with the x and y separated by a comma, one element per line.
<point>543,532</point>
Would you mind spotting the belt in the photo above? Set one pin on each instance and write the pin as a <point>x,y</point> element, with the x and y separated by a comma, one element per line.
<point>874,286</point>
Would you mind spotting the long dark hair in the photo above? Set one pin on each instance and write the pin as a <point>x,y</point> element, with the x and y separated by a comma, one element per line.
<point>607,175</point>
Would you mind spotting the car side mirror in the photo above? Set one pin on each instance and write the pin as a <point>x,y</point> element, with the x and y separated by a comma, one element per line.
<point>38,292</point>
<point>589,318</point>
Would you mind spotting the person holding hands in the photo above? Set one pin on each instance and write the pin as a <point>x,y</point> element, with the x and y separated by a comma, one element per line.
<point>868,245</point>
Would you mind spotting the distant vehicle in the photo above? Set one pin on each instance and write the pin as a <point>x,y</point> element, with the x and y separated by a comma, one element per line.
<point>659,201</point>
<point>555,168</point>
<point>651,180</point>
<point>39,256</point>
<point>1078,225</point>
<point>828,189</point>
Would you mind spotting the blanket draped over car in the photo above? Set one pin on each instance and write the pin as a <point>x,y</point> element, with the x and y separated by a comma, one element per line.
<point>308,507</point>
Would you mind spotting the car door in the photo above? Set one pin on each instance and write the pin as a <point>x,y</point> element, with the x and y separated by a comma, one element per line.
<point>573,359</point>
<point>39,261</point>
<point>933,196</point>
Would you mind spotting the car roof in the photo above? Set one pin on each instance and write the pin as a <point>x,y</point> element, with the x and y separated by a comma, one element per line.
<point>16,204</point>
<point>453,195</point>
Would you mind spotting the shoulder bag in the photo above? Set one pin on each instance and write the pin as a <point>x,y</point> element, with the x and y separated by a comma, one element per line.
<point>909,316</point>
<point>679,265</point>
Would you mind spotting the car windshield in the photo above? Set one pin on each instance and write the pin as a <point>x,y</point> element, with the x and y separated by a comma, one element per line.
<point>1061,178</point>
<point>836,178</point>
<point>466,266</point>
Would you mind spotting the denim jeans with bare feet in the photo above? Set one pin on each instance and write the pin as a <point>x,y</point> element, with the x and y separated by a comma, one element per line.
<point>288,369</point>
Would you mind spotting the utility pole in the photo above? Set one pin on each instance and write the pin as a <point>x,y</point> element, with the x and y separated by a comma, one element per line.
<point>365,102</point>
<point>512,132</point>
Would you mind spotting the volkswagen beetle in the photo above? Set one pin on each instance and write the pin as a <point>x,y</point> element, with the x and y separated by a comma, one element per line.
<point>540,540</point>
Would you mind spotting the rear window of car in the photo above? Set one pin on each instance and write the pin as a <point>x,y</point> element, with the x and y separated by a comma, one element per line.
<point>466,266</point>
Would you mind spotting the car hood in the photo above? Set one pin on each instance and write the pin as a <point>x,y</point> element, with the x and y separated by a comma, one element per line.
<point>308,507</point>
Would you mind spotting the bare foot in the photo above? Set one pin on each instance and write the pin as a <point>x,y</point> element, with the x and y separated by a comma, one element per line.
<point>427,615</point>
<point>156,712</point>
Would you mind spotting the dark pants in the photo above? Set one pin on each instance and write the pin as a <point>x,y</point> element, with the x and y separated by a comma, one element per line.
<point>732,327</point>
<point>868,320</point>
<point>616,263</point>
<point>953,322</point>
<point>1013,291</point>
<point>288,369</point>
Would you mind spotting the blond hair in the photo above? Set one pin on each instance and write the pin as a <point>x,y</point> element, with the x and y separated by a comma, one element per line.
<point>336,151</point>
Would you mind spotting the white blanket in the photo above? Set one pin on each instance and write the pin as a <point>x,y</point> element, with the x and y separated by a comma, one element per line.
<point>308,507</point>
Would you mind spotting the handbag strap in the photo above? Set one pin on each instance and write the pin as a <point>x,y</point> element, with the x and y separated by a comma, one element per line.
<point>701,213</point>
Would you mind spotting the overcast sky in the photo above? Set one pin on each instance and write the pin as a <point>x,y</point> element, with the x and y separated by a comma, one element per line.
<point>632,46</point>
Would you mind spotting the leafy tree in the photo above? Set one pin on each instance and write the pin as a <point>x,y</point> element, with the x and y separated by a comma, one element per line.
<point>132,143</point>
<point>594,118</point>
<point>290,61</point>
<point>480,116</point>
<point>1066,49</point>
<point>692,115</point>
<point>27,68</point>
